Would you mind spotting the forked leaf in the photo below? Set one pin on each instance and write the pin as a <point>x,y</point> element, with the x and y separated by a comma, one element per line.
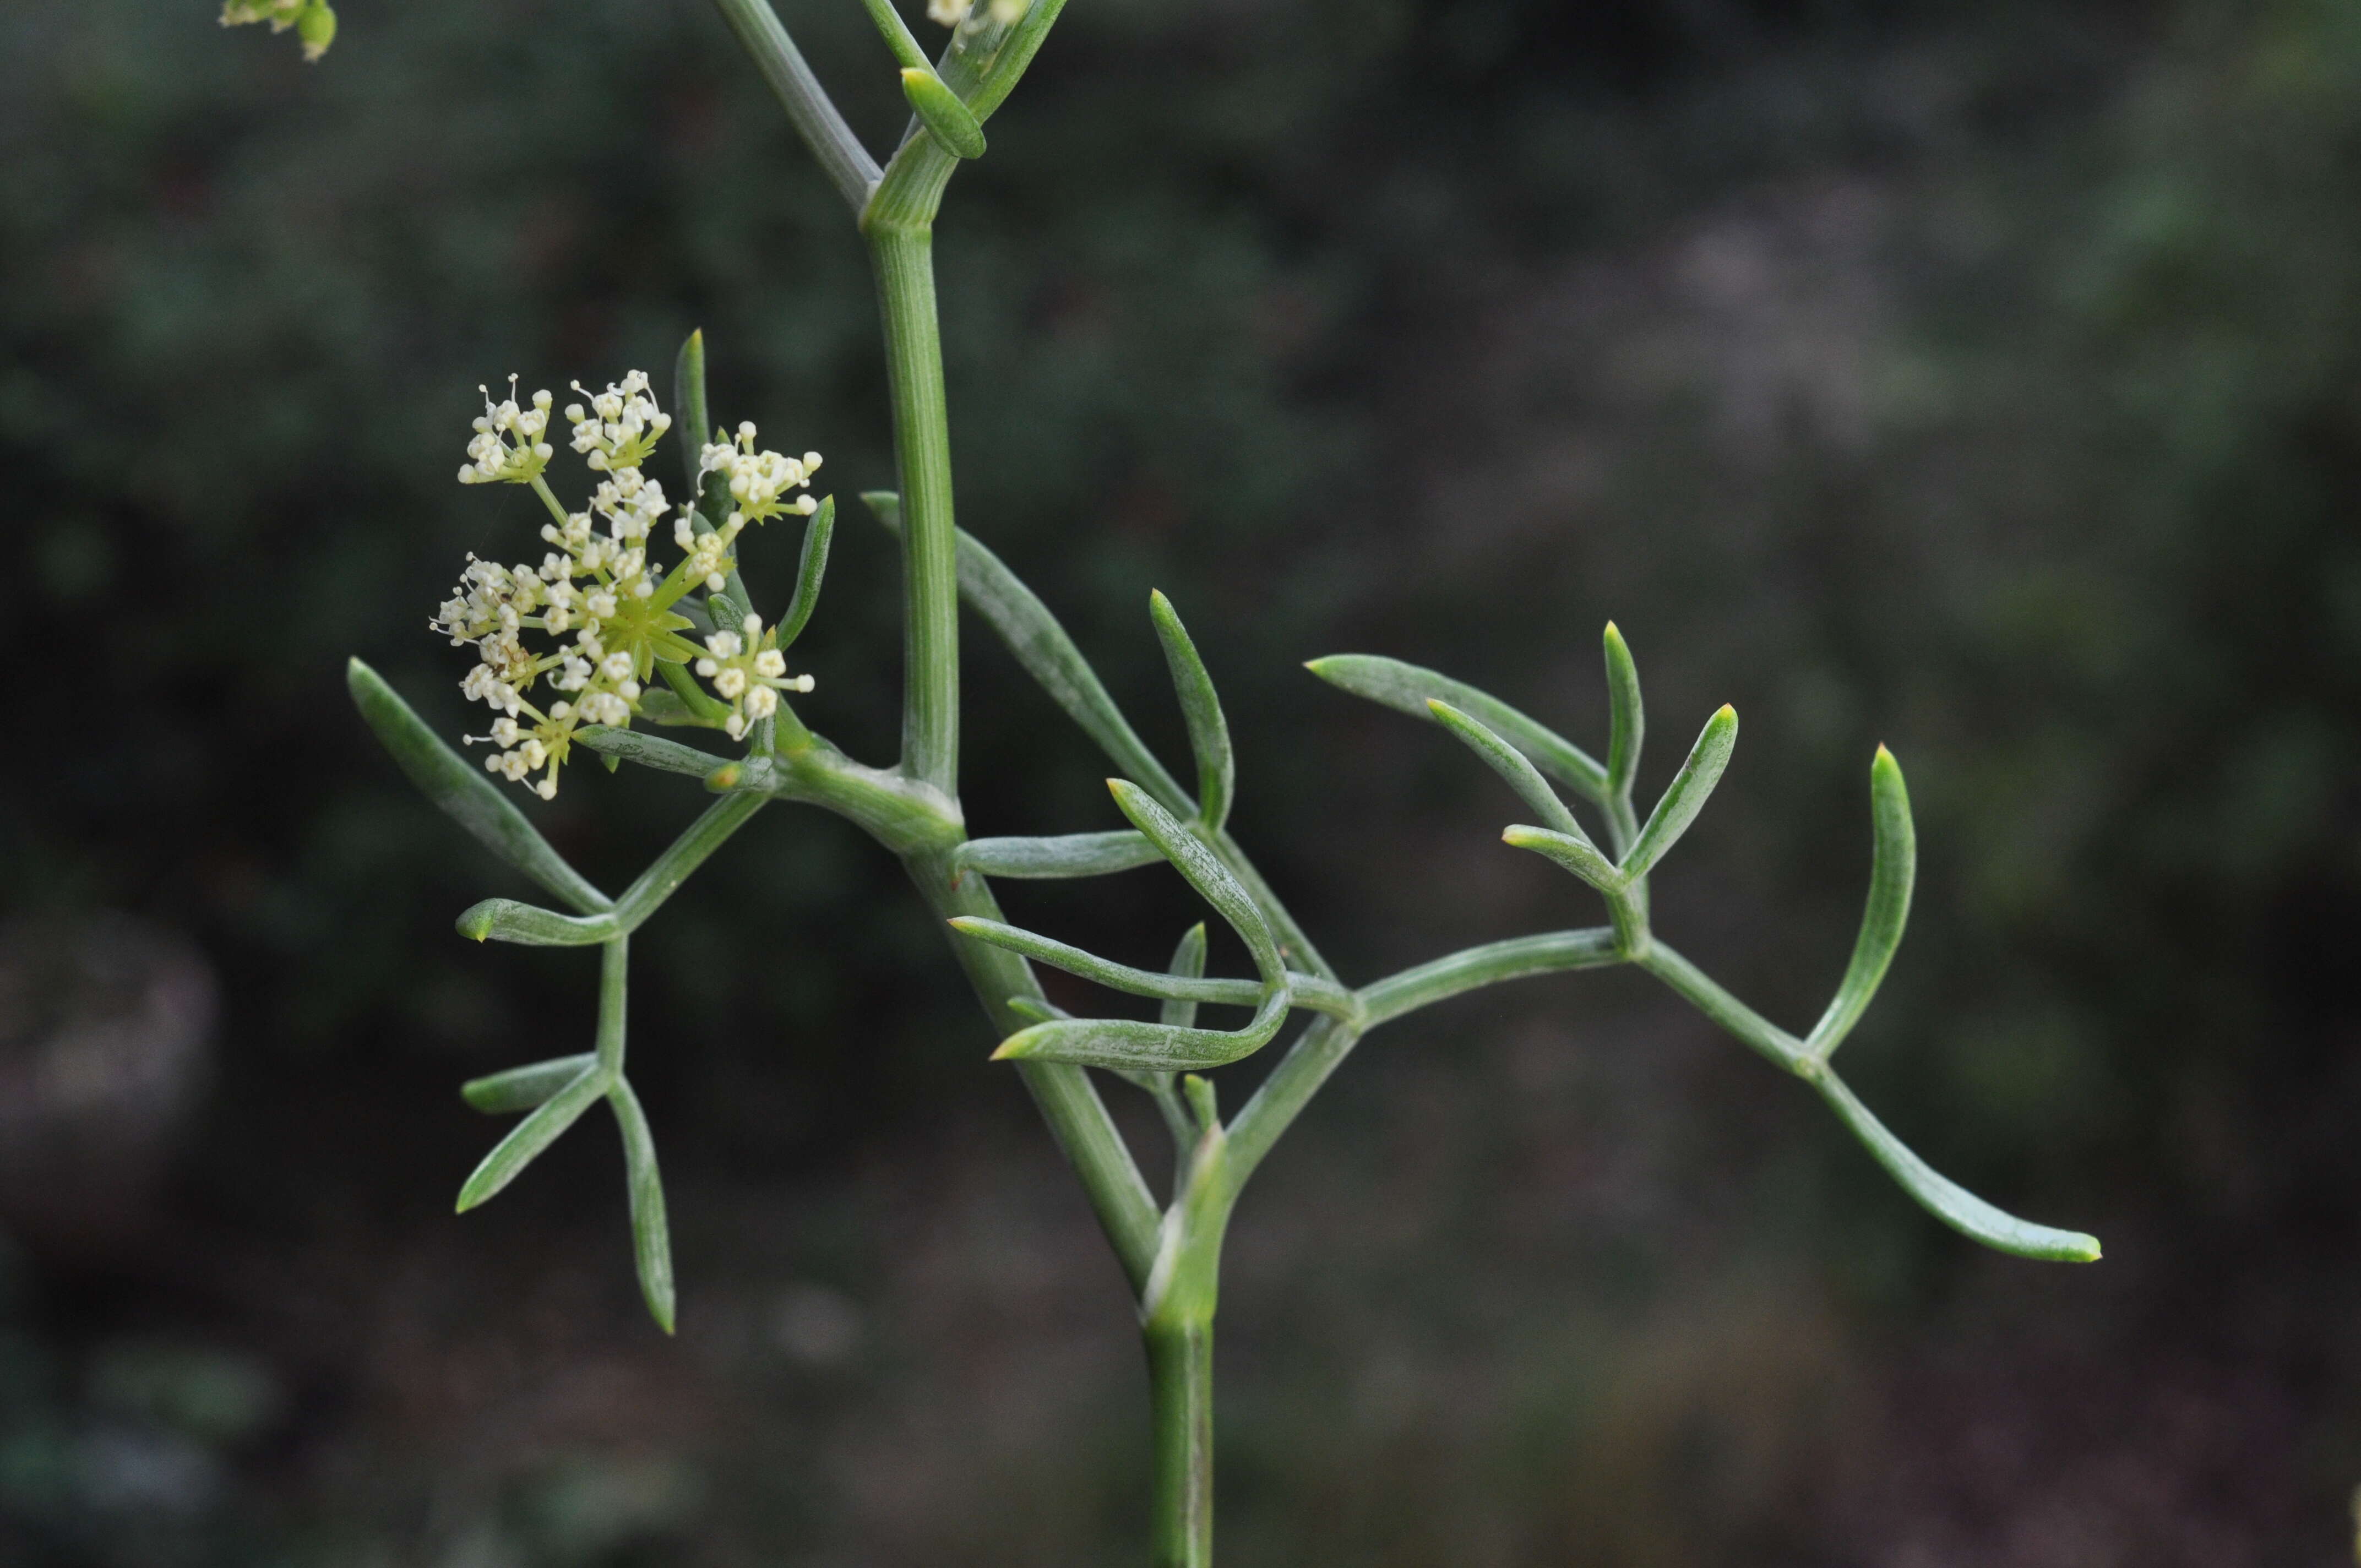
<point>1893,868</point>
<point>1685,796</point>
<point>1024,623</point>
<point>810,567</point>
<point>522,1088</point>
<point>1505,760</point>
<point>1062,855</point>
<point>1123,1043</point>
<point>1580,856</point>
<point>529,1137</point>
<point>1946,1200</point>
<point>529,925</point>
<point>651,1230</point>
<point>1188,963</point>
<point>1209,732</point>
<point>1627,720</point>
<point>466,795</point>
<point>1407,688</point>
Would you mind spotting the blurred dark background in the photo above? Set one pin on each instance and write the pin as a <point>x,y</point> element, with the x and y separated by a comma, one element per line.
<point>1981,379</point>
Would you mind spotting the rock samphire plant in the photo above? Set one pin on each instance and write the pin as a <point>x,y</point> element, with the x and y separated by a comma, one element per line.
<point>599,645</point>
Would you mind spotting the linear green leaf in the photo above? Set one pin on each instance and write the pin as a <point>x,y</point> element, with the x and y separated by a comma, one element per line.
<point>1627,719</point>
<point>529,1137</point>
<point>1037,1009</point>
<point>1061,855</point>
<point>529,925</point>
<point>938,109</point>
<point>1946,1200</point>
<point>688,403</point>
<point>1198,866</point>
<point>1303,990</point>
<point>522,1088</point>
<point>1209,732</point>
<point>466,795</point>
<point>810,567</point>
<point>1188,963</point>
<point>1042,646</point>
<point>1893,868</point>
<point>1122,1043</point>
<point>1409,688</point>
<point>1105,972</point>
<point>1580,856</point>
<point>1685,796</point>
<point>675,707</point>
<point>1505,760</point>
<point>651,1230</point>
<point>1204,1101</point>
<point>648,751</point>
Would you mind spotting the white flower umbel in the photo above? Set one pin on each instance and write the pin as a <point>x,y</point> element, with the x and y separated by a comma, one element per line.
<point>749,673</point>
<point>621,425</point>
<point>508,447</point>
<point>606,609</point>
<point>759,481</point>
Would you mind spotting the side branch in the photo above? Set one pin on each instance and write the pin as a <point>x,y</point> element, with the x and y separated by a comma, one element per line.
<point>1549,953</point>
<point>847,163</point>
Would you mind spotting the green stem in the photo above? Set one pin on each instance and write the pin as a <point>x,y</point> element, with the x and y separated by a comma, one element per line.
<point>1069,1101</point>
<point>1706,995</point>
<point>1546,954</point>
<point>902,255</point>
<point>815,117</point>
<point>1317,1052</point>
<point>614,980</point>
<point>1181,1399</point>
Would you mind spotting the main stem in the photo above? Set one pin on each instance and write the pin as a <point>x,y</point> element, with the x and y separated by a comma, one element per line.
<point>1180,1396</point>
<point>901,253</point>
<point>898,225</point>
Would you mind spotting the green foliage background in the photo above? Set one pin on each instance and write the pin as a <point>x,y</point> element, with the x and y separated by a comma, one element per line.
<point>1981,382</point>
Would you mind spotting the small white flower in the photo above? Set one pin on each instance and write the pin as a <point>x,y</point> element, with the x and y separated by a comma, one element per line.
<point>508,447</point>
<point>757,480</point>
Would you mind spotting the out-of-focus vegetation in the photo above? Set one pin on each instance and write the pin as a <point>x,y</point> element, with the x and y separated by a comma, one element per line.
<point>1982,382</point>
